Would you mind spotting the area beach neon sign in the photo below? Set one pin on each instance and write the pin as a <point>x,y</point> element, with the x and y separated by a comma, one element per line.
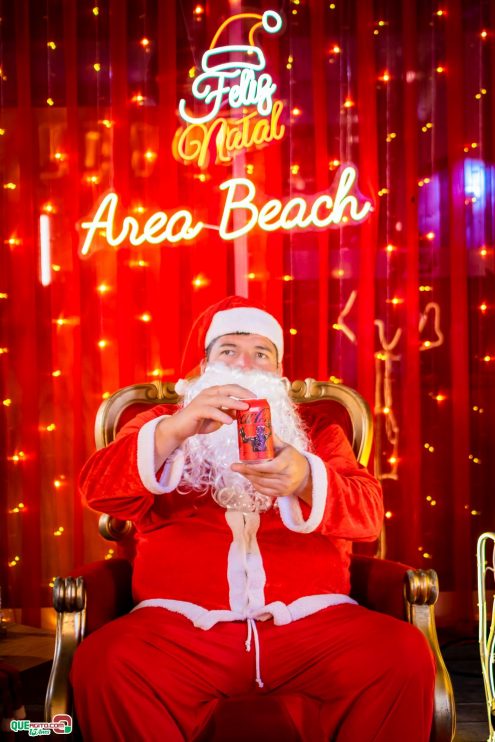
<point>244,209</point>
<point>233,77</point>
<point>322,211</point>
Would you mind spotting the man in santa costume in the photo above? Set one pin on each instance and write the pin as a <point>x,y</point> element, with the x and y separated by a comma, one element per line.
<point>241,578</point>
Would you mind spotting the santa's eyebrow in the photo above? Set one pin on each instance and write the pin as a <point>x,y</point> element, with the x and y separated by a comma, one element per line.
<point>256,347</point>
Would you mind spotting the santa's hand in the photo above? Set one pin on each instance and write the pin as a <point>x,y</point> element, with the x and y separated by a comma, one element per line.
<point>288,473</point>
<point>206,413</point>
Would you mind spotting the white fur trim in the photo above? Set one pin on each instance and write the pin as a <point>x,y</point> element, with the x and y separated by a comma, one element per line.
<point>146,461</point>
<point>281,613</point>
<point>201,617</point>
<point>290,509</point>
<point>310,604</point>
<point>246,319</point>
<point>245,572</point>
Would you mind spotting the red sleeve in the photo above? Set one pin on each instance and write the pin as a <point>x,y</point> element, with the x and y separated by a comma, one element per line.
<point>354,502</point>
<point>110,482</point>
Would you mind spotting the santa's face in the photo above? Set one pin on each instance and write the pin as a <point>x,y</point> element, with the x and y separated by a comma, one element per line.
<point>208,457</point>
<point>246,352</point>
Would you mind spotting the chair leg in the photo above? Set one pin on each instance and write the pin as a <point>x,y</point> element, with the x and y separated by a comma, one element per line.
<point>421,593</point>
<point>69,600</point>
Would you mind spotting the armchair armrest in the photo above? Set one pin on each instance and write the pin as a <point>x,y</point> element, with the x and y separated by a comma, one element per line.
<point>421,594</point>
<point>408,594</point>
<point>108,583</point>
<point>378,584</point>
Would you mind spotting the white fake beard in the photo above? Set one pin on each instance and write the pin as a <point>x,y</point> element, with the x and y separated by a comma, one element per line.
<point>208,456</point>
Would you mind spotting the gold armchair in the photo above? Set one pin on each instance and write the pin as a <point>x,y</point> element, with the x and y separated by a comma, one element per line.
<point>102,591</point>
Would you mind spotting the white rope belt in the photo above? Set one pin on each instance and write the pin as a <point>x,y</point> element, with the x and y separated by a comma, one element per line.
<point>252,631</point>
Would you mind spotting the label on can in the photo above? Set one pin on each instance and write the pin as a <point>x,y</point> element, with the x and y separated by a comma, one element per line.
<point>254,429</point>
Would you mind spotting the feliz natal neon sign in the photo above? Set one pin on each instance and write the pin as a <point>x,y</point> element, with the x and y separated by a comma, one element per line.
<point>240,83</point>
<point>232,74</point>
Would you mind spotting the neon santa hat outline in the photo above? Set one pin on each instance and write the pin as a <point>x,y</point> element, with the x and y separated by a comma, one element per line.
<point>270,21</point>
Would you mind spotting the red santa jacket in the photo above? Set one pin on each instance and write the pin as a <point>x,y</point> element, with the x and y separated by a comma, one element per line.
<point>210,564</point>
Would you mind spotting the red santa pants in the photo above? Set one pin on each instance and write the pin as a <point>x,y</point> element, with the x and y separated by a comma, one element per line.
<point>151,675</point>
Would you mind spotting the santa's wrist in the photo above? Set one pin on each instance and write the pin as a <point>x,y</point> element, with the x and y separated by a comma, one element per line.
<point>305,489</point>
<point>167,438</point>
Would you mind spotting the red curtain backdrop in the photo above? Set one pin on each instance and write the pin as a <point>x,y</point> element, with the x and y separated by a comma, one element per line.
<point>401,307</point>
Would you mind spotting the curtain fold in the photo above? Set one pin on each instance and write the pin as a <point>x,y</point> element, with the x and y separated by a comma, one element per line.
<point>459,326</point>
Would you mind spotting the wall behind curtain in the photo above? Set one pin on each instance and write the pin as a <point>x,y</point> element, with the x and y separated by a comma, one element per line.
<point>401,307</point>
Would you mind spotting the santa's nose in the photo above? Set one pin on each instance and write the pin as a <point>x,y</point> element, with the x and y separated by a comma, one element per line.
<point>244,360</point>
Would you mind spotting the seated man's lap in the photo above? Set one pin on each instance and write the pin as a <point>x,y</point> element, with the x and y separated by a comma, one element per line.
<point>159,644</point>
<point>343,646</point>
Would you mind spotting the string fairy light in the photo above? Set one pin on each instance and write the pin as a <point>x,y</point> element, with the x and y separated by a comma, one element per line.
<point>17,457</point>
<point>199,281</point>
<point>19,508</point>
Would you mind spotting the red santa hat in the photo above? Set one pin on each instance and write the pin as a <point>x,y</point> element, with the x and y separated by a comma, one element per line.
<point>230,315</point>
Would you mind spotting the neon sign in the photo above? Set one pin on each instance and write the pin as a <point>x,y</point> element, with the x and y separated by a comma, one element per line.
<point>325,211</point>
<point>158,228</point>
<point>234,78</point>
<point>345,206</point>
<point>231,136</point>
<point>232,75</point>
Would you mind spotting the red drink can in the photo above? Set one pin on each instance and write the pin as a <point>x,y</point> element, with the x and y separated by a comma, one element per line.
<point>254,430</point>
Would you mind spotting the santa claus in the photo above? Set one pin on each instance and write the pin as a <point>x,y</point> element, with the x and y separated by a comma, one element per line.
<point>231,553</point>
